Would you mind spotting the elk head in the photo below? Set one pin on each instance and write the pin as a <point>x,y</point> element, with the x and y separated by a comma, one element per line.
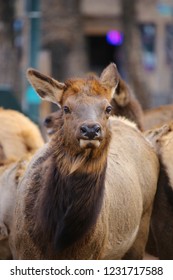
<point>85,105</point>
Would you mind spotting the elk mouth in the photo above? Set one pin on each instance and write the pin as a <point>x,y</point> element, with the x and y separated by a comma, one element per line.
<point>89,144</point>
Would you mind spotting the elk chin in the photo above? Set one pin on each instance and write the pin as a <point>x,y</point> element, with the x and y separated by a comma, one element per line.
<point>89,144</point>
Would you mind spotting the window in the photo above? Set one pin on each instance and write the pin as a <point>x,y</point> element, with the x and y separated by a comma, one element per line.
<point>101,53</point>
<point>148,39</point>
<point>169,43</point>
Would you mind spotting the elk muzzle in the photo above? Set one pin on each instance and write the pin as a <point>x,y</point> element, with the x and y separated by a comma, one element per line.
<point>90,135</point>
<point>90,131</point>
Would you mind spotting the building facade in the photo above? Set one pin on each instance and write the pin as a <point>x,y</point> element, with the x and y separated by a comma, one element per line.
<point>155,23</point>
<point>98,18</point>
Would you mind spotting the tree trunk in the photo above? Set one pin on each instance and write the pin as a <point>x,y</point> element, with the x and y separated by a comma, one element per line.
<point>63,35</point>
<point>132,54</point>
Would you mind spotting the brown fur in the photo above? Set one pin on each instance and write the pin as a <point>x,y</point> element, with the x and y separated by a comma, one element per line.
<point>89,201</point>
<point>18,135</point>
<point>161,236</point>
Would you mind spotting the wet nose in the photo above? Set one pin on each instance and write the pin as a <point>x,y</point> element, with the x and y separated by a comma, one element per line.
<point>90,131</point>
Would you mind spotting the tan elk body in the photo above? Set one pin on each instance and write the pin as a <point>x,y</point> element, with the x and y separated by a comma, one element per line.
<point>88,193</point>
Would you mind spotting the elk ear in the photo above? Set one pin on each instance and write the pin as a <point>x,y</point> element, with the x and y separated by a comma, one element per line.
<point>46,87</point>
<point>122,94</point>
<point>110,77</point>
<point>154,136</point>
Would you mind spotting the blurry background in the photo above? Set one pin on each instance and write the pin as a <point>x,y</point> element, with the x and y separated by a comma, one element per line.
<point>69,38</point>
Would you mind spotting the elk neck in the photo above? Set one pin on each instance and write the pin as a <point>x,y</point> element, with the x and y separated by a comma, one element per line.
<point>69,203</point>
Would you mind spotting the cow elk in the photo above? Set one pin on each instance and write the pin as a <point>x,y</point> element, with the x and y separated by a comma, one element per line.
<point>88,193</point>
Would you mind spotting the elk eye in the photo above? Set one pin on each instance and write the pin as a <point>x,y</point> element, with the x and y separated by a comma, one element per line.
<point>108,109</point>
<point>66,110</point>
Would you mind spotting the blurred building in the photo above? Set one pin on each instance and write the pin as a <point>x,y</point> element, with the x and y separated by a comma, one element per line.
<point>9,74</point>
<point>100,24</point>
<point>155,23</point>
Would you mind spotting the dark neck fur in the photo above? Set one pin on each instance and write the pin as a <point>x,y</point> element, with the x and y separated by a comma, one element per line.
<point>68,208</point>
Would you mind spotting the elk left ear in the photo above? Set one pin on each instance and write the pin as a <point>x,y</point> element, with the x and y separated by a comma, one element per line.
<point>110,77</point>
<point>46,87</point>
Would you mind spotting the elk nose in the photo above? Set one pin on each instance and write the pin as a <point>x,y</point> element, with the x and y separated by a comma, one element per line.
<point>90,131</point>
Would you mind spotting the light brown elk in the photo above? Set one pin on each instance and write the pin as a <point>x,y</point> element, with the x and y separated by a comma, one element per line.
<point>88,193</point>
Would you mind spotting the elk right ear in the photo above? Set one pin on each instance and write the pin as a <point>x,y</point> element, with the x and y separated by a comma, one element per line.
<point>47,88</point>
<point>122,94</point>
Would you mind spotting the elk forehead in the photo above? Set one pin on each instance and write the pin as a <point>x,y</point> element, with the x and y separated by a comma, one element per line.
<point>86,87</point>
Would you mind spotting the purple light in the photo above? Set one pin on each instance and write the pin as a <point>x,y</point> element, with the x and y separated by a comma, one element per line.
<point>114,37</point>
